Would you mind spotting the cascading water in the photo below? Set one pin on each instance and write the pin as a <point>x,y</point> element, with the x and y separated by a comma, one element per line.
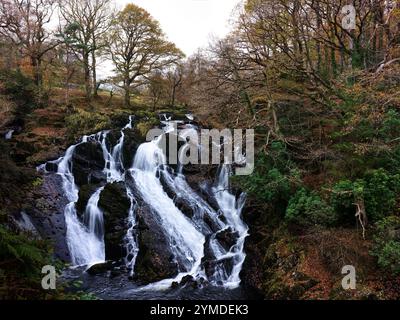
<point>9,134</point>
<point>186,242</point>
<point>192,238</point>
<point>232,208</point>
<point>84,245</point>
<point>93,217</point>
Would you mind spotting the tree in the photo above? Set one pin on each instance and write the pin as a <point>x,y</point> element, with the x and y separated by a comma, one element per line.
<point>23,22</point>
<point>137,47</point>
<point>85,27</point>
<point>156,88</point>
<point>174,78</point>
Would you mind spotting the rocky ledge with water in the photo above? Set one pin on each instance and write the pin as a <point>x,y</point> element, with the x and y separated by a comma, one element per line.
<point>132,227</point>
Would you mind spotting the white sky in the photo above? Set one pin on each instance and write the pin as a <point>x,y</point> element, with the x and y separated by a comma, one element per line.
<point>189,23</point>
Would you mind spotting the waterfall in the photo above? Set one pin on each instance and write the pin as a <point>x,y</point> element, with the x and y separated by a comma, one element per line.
<point>9,134</point>
<point>84,245</point>
<point>232,208</point>
<point>86,239</point>
<point>131,242</point>
<point>186,241</point>
<point>114,168</point>
<point>93,217</point>
<point>193,239</point>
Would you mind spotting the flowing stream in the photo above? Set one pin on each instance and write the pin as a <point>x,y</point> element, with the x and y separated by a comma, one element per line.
<point>191,239</point>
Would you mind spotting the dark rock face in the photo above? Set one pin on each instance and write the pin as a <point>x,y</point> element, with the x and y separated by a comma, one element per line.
<point>47,214</point>
<point>227,238</point>
<point>85,192</point>
<point>155,260</point>
<point>100,268</point>
<point>132,142</point>
<point>88,164</point>
<point>115,205</point>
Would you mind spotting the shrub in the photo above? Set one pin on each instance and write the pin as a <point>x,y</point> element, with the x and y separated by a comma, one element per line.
<point>390,128</point>
<point>343,199</point>
<point>307,208</point>
<point>380,193</point>
<point>387,244</point>
<point>84,122</point>
<point>379,190</point>
<point>20,89</point>
<point>269,183</point>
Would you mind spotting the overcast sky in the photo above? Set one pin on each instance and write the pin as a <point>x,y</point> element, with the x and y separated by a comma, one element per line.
<point>189,23</point>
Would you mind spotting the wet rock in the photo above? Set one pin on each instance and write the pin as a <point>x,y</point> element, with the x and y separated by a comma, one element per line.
<point>47,214</point>
<point>88,164</point>
<point>132,142</point>
<point>51,166</point>
<point>155,260</point>
<point>85,192</point>
<point>227,238</point>
<point>100,268</point>
<point>189,281</point>
<point>115,205</point>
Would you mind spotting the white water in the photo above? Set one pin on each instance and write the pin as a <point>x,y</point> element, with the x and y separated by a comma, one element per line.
<point>93,217</point>
<point>132,248</point>
<point>232,208</point>
<point>9,134</point>
<point>85,247</point>
<point>187,236</point>
<point>186,242</point>
<point>86,240</point>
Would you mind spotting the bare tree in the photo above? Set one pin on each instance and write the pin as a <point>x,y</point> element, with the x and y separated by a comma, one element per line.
<point>24,22</point>
<point>86,23</point>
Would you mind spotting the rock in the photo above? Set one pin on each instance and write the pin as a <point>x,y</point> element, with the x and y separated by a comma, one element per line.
<point>132,142</point>
<point>85,192</point>
<point>227,238</point>
<point>100,268</point>
<point>51,166</point>
<point>88,164</point>
<point>115,205</point>
<point>47,214</point>
<point>189,281</point>
<point>155,260</point>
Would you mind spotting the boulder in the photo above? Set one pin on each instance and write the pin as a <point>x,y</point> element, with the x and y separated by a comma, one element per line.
<point>155,260</point>
<point>115,205</point>
<point>227,238</point>
<point>88,163</point>
<point>100,268</point>
<point>47,213</point>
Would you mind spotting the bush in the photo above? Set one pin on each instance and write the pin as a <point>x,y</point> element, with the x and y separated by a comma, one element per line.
<point>390,128</point>
<point>387,244</point>
<point>380,193</point>
<point>83,122</point>
<point>343,199</point>
<point>20,89</point>
<point>269,182</point>
<point>379,190</point>
<point>307,208</point>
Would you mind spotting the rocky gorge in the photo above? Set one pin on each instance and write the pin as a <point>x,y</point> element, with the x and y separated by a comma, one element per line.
<point>115,210</point>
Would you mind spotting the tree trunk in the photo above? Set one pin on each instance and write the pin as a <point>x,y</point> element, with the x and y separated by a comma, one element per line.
<point>88,87</point>
<point>36,64</point>
<point>94,74</point>
<point>173,96</point>
<point>127,98</point>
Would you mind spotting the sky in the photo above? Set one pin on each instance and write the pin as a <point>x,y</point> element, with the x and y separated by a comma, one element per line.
<point>189,23</point>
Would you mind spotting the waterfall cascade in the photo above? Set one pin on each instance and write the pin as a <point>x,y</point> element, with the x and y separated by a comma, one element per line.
<point>193,240</point>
